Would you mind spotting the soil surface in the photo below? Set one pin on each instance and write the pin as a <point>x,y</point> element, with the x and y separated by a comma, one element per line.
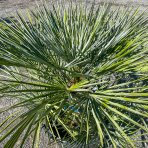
<point>8,7</point>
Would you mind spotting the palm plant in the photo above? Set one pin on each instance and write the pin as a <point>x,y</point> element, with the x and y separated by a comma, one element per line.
<point>79,72</point>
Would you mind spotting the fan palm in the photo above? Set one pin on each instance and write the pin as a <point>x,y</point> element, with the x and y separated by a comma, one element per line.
<point>80,73</point>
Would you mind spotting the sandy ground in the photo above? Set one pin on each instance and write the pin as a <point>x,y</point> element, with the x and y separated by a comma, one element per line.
<point>9,7</point>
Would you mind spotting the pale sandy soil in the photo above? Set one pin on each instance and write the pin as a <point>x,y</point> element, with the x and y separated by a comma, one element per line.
<point>10,6</point>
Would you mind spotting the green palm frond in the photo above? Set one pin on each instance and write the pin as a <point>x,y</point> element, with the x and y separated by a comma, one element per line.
<point>79,72</point>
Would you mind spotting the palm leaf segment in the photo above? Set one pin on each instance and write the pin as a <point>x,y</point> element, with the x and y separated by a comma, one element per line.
<point>79,69</point>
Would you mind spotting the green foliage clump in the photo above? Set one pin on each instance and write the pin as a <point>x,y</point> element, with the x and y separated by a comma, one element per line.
<point>81,72</point>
